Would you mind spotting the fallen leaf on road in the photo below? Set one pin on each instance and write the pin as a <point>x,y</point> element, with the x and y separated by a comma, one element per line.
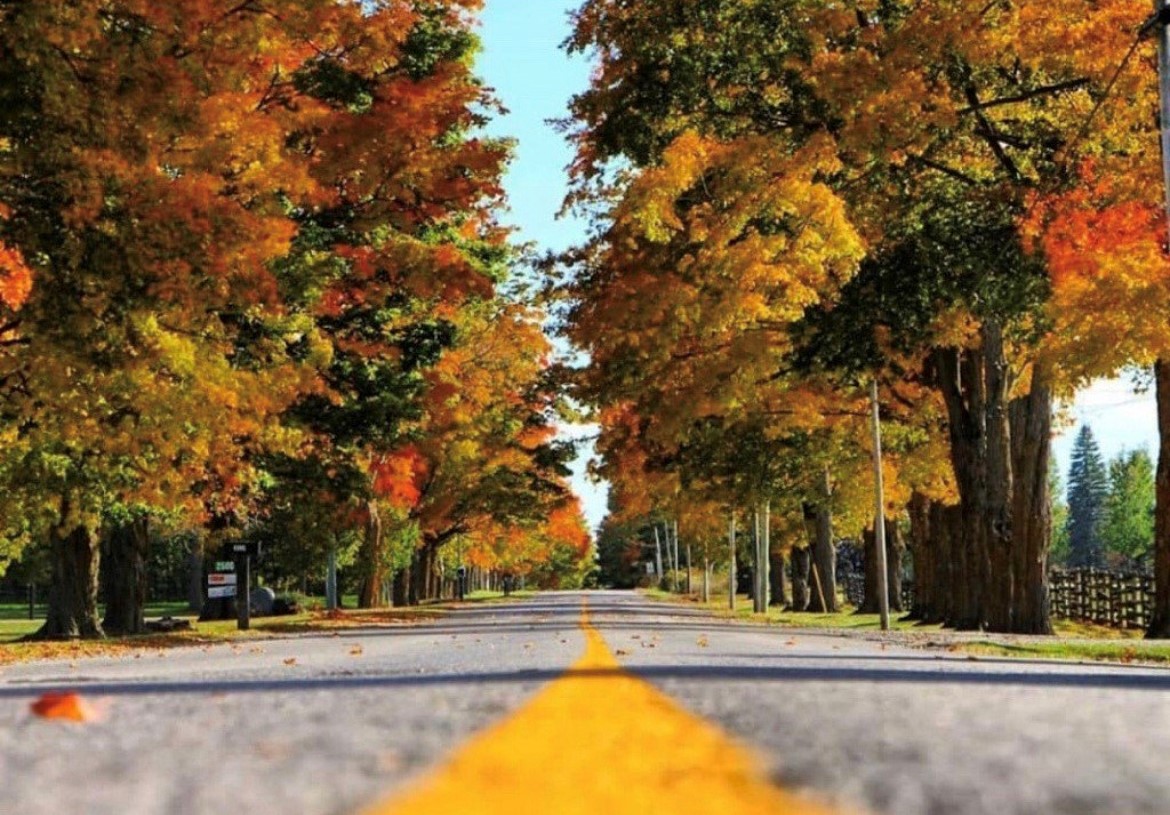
<point>291,661</point>
<point>619,652</point>
<point>702,641</point>
<point>791,642</point>
<point>356,651</point>
<point>256,650</point>
<point>69,707</point>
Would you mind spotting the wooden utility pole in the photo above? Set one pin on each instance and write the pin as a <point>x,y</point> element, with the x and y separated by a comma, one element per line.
<point>879,521</point>
<point>657,557</point>
<point>731,564</point>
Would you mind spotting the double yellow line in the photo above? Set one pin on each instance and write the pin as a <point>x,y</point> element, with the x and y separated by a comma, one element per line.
<point>599,741</point>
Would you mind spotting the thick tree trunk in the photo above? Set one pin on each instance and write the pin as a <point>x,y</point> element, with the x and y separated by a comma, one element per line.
<point>372,559</point>
<point>123,576</point>
<point>400,590</point>
<point>1160,620</point>
<point>895,547</point>
<point>195,574</point>
<point>923,550</point>
<point>1031,509</point>
<point>999,582</point>
<point>801,559</point>
<point>73,557</point>
<point>824,561</point>
<point>961,381</point>
<point>779,588</point>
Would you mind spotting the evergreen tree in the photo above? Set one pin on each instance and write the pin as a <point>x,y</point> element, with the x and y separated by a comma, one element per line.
<point>1127,526</point>
<point>1088,490</point>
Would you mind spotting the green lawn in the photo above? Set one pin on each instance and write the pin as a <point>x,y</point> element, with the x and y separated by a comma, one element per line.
<point>1112,645</point>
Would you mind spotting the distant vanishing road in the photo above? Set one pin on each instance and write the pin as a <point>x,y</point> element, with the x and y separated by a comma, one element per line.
<point>585,702</point>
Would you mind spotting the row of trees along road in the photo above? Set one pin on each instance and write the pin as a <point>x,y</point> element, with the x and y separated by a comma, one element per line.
<point>1109,518</point>
<point>251,282</point>
<point>791,199</point>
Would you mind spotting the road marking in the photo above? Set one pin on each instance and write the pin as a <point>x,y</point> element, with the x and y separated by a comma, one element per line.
<point>598,740</point>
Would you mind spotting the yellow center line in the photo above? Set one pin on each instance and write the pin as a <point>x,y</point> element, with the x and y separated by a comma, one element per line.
<point>598,740</point>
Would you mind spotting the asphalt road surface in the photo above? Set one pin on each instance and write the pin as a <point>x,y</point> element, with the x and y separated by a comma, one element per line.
<point>334,723</point>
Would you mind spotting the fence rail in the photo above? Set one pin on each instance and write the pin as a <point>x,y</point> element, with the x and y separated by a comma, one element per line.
<point>1116,599</point>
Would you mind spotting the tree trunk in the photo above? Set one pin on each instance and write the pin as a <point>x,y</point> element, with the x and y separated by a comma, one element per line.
<point>1160,620</point>
<point>999,582</point>
<point>372,559</point>
<point>779,588</point>
<point>706,577</point>
<point>895,552</point>
<point>824,559</point>
<point>195,574</point>
<point>400,591</point>
<point>961,381</point>
<point>801,559</point>
<point>895,546</point>
<point>73,558</point>
<point>1031,510</point>
<point>922,555</point>
<point>123,576</point>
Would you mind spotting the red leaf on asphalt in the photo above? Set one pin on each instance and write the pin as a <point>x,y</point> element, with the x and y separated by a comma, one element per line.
<point>67,706</point>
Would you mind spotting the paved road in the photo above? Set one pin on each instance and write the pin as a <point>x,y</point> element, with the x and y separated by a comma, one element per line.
<point>329,724</point>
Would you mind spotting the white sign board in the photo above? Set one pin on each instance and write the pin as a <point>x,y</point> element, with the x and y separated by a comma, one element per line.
<point>215,579</point>
<point>216,592</point>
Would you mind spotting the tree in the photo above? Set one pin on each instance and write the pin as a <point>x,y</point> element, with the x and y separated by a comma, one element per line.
<point>1088,491</point>
<point>1127,523</point>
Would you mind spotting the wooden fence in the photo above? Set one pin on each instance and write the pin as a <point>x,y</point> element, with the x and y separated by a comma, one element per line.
<point>1115,599</point>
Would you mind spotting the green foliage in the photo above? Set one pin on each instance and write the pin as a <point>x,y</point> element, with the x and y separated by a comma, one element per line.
<point>1127,524</point>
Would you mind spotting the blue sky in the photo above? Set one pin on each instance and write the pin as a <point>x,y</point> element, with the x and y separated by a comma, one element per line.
<point>522,60</point>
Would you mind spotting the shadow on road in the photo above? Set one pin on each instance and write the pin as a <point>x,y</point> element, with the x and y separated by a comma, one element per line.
<point>722,674</point>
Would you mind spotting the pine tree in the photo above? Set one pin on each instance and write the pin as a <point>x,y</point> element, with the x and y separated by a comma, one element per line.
<point>1088,490</point>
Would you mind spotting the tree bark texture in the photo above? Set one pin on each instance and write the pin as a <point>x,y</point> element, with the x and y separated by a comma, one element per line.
<point>801,559</point>
<point>823,597</point>
<point>1000,451</point>
<point>778,596</point>
<point>372,557</point>
<point>1031,418</point>
<point>895,547</point>
<point>123,577</point>
<point>1160,621</point>
<point>74,555</point>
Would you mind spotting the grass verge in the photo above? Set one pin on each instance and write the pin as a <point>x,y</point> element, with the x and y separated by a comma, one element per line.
<point>1074,641</point>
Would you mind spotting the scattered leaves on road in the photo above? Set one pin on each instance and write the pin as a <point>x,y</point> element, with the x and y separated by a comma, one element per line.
<point>69,707</point>
<point>291,661</point>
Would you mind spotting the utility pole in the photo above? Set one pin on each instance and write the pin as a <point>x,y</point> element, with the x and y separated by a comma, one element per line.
<point>879,521</point>
<point>731,562</point>
<point>657,557</point>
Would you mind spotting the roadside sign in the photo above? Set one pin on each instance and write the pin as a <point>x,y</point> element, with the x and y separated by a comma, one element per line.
<point>216,592</point>
<point>225,565</point>
<point>214,579</point>
<point>249,548</point>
